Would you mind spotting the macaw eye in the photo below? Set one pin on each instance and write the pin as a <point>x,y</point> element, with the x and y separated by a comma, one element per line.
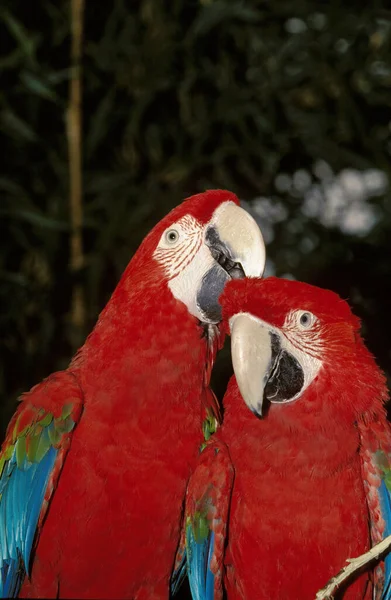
<point>306,319</point>
<point>172,236</point>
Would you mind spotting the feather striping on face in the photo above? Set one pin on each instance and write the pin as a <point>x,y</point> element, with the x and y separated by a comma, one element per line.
<point>174,255</point>
<point>198,258</point>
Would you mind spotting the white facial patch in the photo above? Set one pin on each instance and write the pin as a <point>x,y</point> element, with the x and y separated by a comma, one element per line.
<point>184,285</point>
<point>308,362</point>
<point>175,253</point>
<point>185,260</point>
<point>302,339</point>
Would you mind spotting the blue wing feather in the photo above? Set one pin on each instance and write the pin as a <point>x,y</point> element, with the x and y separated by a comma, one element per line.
<point>385,504</point>
<point>178,576</point>
<point>210,579</point>
<point>22,492</point>
<point>206,516</point>
<point>33,453</point>
<point>199,555</point>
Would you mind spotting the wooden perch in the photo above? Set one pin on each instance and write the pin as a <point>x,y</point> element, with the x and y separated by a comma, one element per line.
<point>74,134</point>
<point>355,565</point>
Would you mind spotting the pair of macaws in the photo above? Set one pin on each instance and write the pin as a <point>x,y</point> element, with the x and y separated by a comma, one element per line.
<point>97,459</point>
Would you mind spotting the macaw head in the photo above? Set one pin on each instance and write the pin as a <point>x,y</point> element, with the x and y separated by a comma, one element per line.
<point>197,248</point>
<point>292,343</point>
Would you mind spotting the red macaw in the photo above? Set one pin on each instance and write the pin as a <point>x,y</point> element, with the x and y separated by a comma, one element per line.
<point>278,503</point>
<point>96,459</point>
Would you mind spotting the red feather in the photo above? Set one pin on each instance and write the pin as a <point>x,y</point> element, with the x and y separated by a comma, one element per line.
<point>113,524</point>
<point>299,505</point>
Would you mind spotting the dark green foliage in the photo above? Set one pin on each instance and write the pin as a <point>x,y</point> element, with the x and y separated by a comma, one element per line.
<point>180,96</point>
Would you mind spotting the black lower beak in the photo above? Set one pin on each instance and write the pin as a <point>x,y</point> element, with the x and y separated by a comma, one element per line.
<point>214,280</point>
<point>234,269</point>
<point>286,377</point>
<point>222,254</point>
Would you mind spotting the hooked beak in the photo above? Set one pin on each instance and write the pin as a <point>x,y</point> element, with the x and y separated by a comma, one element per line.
<point>264,370</point>
<point>236,242</point>
<point>237,247</point>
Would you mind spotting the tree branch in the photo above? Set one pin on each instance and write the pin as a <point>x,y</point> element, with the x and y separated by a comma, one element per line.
<point>74,134</point>
<point>355,565</point>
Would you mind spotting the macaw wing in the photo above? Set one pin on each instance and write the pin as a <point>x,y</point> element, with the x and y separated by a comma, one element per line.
<point>206,515</point>
<point>31,459</point>
<point>180,568</point>
<point>375,452</point>
<point>212,420</point>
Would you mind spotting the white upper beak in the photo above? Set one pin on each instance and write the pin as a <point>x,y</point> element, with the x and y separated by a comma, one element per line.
<point>251,358</point>
<point>240,232</point>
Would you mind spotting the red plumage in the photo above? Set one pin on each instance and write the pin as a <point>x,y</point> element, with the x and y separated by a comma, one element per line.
<point>304,490</point>
<point>298,506</point>
<point>113,523</point>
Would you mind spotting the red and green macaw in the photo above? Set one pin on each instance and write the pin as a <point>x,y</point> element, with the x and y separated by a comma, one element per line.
<point>285,492</point>
<point>94,466</point>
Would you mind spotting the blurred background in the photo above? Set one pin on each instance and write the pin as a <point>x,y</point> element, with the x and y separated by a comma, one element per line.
<point>286,103</point>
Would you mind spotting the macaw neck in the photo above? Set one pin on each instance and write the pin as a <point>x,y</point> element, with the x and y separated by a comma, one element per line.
<point>146,354</point>
<point>289,437</point>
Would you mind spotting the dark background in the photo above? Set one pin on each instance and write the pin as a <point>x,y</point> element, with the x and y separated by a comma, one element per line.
<point>286,103</point>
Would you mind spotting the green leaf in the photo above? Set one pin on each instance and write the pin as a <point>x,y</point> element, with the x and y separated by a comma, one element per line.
<point>100,124</point>
<point>215,13</point>
<point>12,60</point>
<point>12,187</point>
<point>15,126</point>
<point>36,218</point>
<point>60,76</point>
<point>37,86</point>
<point>14,278</point>
<point>27,42</point>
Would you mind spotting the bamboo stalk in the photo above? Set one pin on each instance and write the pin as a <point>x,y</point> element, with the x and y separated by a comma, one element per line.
<point>74,134</point>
